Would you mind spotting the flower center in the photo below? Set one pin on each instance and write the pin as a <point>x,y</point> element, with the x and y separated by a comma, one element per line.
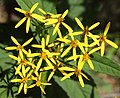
<point>23,62</point>
<point>19,47</point>
<point>74,43</point>
<point>28,14</point>
<point>86,56</point>
<point>43,55</point>
<point>86,30</point>
<point>47,16</point>
<point>60,20</point>
<point>102,37</point>
<point>38,83</point>
<point>77,72</point>
<point>24,80</point>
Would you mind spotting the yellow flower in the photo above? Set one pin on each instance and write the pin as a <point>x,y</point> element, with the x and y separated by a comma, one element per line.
<point>74,71</point>
<point>103,38</point>
<point>22,62</point>
<point>85,57</point>
<point>28,15</point>
<point>72,44</point>
<point>86,31</point>
<point>38,83</point>
<point>45,54</point>
<point>48,15</point>
<point>19,47</point>
<point>57,22</point>
<point>25,77</point>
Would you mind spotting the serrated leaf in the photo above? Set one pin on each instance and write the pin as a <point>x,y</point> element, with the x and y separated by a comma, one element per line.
<point>105,65</point>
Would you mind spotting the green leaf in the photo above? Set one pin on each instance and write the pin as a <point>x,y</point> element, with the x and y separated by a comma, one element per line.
<point>74,90</point>
<point>5,61</point>
<point>105,65</point>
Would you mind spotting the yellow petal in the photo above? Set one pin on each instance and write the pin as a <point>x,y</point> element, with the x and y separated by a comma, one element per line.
<point>81,80</point>
<point>42,11</point>
<point>77,33</point>
<point>38,17</point>
<point>20,88</point>
<point>20,10</point>
<point>64,14</point>
<point>74,52</point>
<point>47,68</point>
<point>66,51</point>
<point>94,50</point>
<point>64,40</point>
<point>94,38</point>
<point>14,57</point>
<point>51,21</point>
<point>47,39</point>
<point>79,23</point>
<point>67,69</point>
<point>23,71</point>
<point>36,46</point>
<point>67,76</point>
<point>33,7</point>
<point>46,83</point>
<point>51,75</point>
<point>25,88</point>
<point>93,26</point>
<point>48,62</point>
<point>111,43</point>
<point>106,29</point>
<point>73,57</point>
<point>42,89</point>
<point>39,64</point>
<point>80,62</point>
<point>90,64</point>
<point>20,22</point>
<point>27,25</point>
<point>52,60</point>
<point>27,42</point>
<point>59,33</point>
<point>43,43</point>
<point>14,40</point>
<point>15,80</point>
<point>84,76</point>
<point>102,48</point>
<point>31,86</point>
<point>11,48</point>
<point>56,28</point>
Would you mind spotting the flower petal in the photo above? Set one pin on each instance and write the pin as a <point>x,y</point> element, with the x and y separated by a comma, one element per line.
<point>27,25</point>
<point>111,43</point>
<point>79,23</point>
<point>20,22</point>
<point>67,76</point>
<point>27,42</point>
<point>90,64</point>
<point>93,26</point>
<point>20,88</point>
<point>66,51</point>
<point>14,40</point>
<point>81,80</point>
<point>102,48</point>
<point>33,7</point>
<point>56,28</point>
<point>106,29</point>
<point>65,13</point>
<point>20,10</point>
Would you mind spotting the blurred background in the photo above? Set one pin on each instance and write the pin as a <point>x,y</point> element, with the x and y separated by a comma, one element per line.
<point>89,11</point>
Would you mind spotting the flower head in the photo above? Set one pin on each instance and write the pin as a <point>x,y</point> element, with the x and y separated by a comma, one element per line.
<point>28,16</point>
<point>18,46</point>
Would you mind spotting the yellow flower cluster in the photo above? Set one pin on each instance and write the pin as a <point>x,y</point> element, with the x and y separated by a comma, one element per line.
<point>49,56</point>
